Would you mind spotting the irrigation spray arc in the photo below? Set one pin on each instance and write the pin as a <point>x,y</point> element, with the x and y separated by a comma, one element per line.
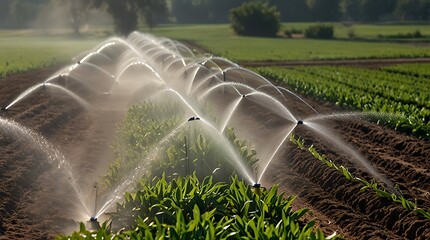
<point>236,98</point>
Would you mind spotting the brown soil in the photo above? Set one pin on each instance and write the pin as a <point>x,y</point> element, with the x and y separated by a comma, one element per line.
<point>35,197</point>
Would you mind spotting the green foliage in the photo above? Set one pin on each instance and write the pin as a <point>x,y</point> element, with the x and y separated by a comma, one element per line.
<point>406,100</point>
<point>255,19</point>
<point>186,208</point>
<point>419,70</point>
<point>409,35</point>
<point>321,31</point>
<point>148,128</point>
<point>372,185</point>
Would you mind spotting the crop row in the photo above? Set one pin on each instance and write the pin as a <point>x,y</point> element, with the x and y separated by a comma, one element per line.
<point>413,69</point>
<point>371,185</point>
<point>187,208</point>
<point>405,99</point>
<point>153,137</point>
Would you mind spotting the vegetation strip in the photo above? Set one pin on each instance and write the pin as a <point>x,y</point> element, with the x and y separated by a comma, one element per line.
<point>372,185</point>
<point>402,105</point>
<point>187,208</point>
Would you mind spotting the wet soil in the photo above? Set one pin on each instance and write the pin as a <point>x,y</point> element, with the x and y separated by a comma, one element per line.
<point>33,191</point>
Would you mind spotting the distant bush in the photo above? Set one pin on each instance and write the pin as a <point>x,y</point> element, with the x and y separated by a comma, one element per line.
<point>255,19</point>
<point>321,31</point>
<point>290,32</point>
<point>416,34</point>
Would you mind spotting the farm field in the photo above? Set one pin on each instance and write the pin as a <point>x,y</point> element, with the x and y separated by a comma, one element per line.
<point>221,40</point>
<point>23,51</point>
<point>86,127</point>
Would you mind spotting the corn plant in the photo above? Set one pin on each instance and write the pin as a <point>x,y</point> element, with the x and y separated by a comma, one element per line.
<point>187,208</point>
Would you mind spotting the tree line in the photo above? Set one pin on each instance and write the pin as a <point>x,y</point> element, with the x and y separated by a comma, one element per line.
<point>127,14</point>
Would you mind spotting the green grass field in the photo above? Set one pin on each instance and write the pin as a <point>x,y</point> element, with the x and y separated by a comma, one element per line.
<point>221,40</point>
<point>21,50</point>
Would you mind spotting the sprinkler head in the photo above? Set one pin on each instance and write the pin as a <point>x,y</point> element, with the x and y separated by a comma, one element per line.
<point>193,119</point>
<point>93,224</point>
<point>3,109</point>
<point>300,122</point>
<point>256,188</point>
<point>243,95</point>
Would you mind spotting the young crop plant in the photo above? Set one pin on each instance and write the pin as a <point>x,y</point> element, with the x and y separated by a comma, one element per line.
<point>372,185</point>
<point>187,208</point>
<point>403,101</point>
<point>191,148</point>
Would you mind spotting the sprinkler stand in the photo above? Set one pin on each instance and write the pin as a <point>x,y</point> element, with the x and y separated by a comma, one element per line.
<point>256,188</point>
<point>93,224</point>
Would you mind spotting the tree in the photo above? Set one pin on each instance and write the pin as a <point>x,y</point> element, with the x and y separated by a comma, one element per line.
<point>351,9</point>
<point>372,10</point>
<point>413,9</point>
<point>255,19</point>
<point>77,12</point>
<point>324,10</point>
<point>125,13</point>
<point>22,12</point>
<point>151,10</point>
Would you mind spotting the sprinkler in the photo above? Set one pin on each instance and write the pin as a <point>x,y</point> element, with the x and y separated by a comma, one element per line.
<point>243,95</point>
<point>193,119</point>
<point>3,109</point>
<point>300,122</point>
<point>93,224</point>
<point>256,188</point>
<point>223,76</point>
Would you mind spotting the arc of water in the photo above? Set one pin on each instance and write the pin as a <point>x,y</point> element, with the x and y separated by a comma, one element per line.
<point>236,158</point>
<point>297,96</point>
<point>24,94</point>
<point>230,84</point>
<point>349,150</point>
<point>281,143</point>
<point>137,172</point>
<point>267,82</point>
<point>349,115</point>
<point>230,114</point>
<point>78,99</point>
<point>50,152</point>
<point>288,115</point>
